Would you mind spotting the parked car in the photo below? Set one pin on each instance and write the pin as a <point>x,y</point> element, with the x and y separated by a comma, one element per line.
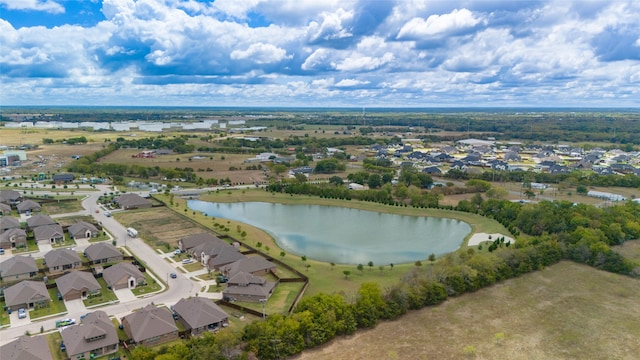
<point>22,313</point>
<point>107,214</point>
<point>177,251</point>
<point>65,322</point>
<point>1,251</point>
<point>187,261</point>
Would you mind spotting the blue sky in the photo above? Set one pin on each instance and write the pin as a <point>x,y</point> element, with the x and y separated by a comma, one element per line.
<point>373,53</point>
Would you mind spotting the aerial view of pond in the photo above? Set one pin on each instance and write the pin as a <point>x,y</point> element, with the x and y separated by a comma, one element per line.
<point>343,235</point>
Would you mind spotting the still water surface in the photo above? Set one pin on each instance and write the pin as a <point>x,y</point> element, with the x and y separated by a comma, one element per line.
<point>343,235</point>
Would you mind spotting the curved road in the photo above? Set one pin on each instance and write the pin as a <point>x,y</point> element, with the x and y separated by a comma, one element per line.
<point>178,288</point>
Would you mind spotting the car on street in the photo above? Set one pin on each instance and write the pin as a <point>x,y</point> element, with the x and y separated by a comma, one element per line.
<point>22,313</point>
<point>173,275</point>
<point>107,214</point>
<point>65,322</point>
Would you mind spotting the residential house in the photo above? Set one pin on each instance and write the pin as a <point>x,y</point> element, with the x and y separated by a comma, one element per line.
<point>123,275</point>
<point>28,206</point>
<point>132,201</point>
<point>63,178</point>
<point>432,170</point>
<point>194,240</point>
<point>199,315</point>
<point>216,253</point>
<point>95,336</point>
<point>8,222</point>
<point>102,253</point>
<point>82,230</point>
<point>254,265</point>
<point>10,197</point>
<point>39,220</point>
<point>18,267</point>
<point>48,234</point>
<point>27,294</point>
<point>77,285</point>
<point>150,326</point>
<point>13,238</point>
<point>26,348</point>
<point>61,260</point>
<point>5,209</point>
<point>247,287</point>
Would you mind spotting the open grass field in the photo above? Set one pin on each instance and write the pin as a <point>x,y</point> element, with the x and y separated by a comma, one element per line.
<point>158,225</point>
<point>630,250</point>
<point>567,311</point>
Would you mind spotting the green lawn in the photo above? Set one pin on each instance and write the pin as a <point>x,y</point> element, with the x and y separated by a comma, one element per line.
<point>151,286</point>
<point>194,266</point>
<point>31,246</point>
<point>63,207</point>
<point>55,306</point>
<point>4,315</point>
<point>106,295</point>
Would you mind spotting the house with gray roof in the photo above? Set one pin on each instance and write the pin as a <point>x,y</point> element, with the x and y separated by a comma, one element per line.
<point>247,287</point>
<point>26,348</point>
<point>39,220</point>
<point>13,238</point>
<point>83,230</point>
<point>8,222</point>
<point>60,260</point>
<point>27,294</point>
<point>5,209</point>
<point>18,267</point>
<point>48,234</point>
<point>28,206</point>
<point>102,253</point>
<point>77,285</point>
<point>215,253</point>
<point>254,265</point>
<point>10,197</point>
<point>150,326</point>
<point>95,336</point>
<point>132,201</point>
<point>194,240</point>
<point>123,275</point>
<point>199,315</point>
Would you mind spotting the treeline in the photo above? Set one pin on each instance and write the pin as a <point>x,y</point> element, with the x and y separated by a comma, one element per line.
<point>297,141</point>
<point>573,178</point>
<point>320,318</point>
<point>178,144</point>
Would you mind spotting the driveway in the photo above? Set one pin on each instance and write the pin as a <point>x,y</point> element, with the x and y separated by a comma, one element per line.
<point>125,295</point>
<point>13,318</point>
<point>75,306</point>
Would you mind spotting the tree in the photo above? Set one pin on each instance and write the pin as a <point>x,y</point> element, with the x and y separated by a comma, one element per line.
<point>283,254</point>
<point>336,180</point>
<point>360,268</point>
<point>432,257</point>
<point>582,190</point>
<point>391,266</point>
<point>279,169</point>
<point>346,273</point>
<point>370,263</point>
<point>332,265</point>
<point>374,181</point>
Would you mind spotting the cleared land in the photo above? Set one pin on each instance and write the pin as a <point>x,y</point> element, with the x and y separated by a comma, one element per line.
<point>630,250</point>
<point>567,311</point>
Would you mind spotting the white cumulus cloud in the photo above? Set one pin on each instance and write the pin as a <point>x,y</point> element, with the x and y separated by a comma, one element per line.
<point>260,53</point>
<point>438,25</point>
<point>48,6</point>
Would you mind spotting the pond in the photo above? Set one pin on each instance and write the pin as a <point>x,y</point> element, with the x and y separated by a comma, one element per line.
<point>344,235</point>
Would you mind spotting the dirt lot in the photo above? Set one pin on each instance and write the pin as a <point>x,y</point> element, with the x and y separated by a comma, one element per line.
<point>567,311</point>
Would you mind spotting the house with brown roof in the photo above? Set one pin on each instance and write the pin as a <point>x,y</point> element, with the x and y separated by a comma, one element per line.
<point>102,253</point>
<point>77,285</point>
<point>8,222</point>
<point>10,197</point>
<point>150,326</point>
<point>215,253</point>
<point>26,348</point>
<point>13,238</point>
<point>95,336</point>
<point>254,265</point>
<point>39,220</point>
<point>247,287</point>
<point>28,206</point>
<point>48,234</point>
<point>5,209</point>
<point>123,275</point>
<point>60,260</point>
<point>18,267</point>
<point>199,315</point>
<point>132,201</point>
<point>27,294</point>
<point>82,230</point>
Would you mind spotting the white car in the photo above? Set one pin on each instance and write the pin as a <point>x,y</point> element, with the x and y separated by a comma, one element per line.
<point>187,261</point>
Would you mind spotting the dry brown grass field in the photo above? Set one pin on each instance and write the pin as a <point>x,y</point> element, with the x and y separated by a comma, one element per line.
<point>566,311</point>
<point>630,250</point>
